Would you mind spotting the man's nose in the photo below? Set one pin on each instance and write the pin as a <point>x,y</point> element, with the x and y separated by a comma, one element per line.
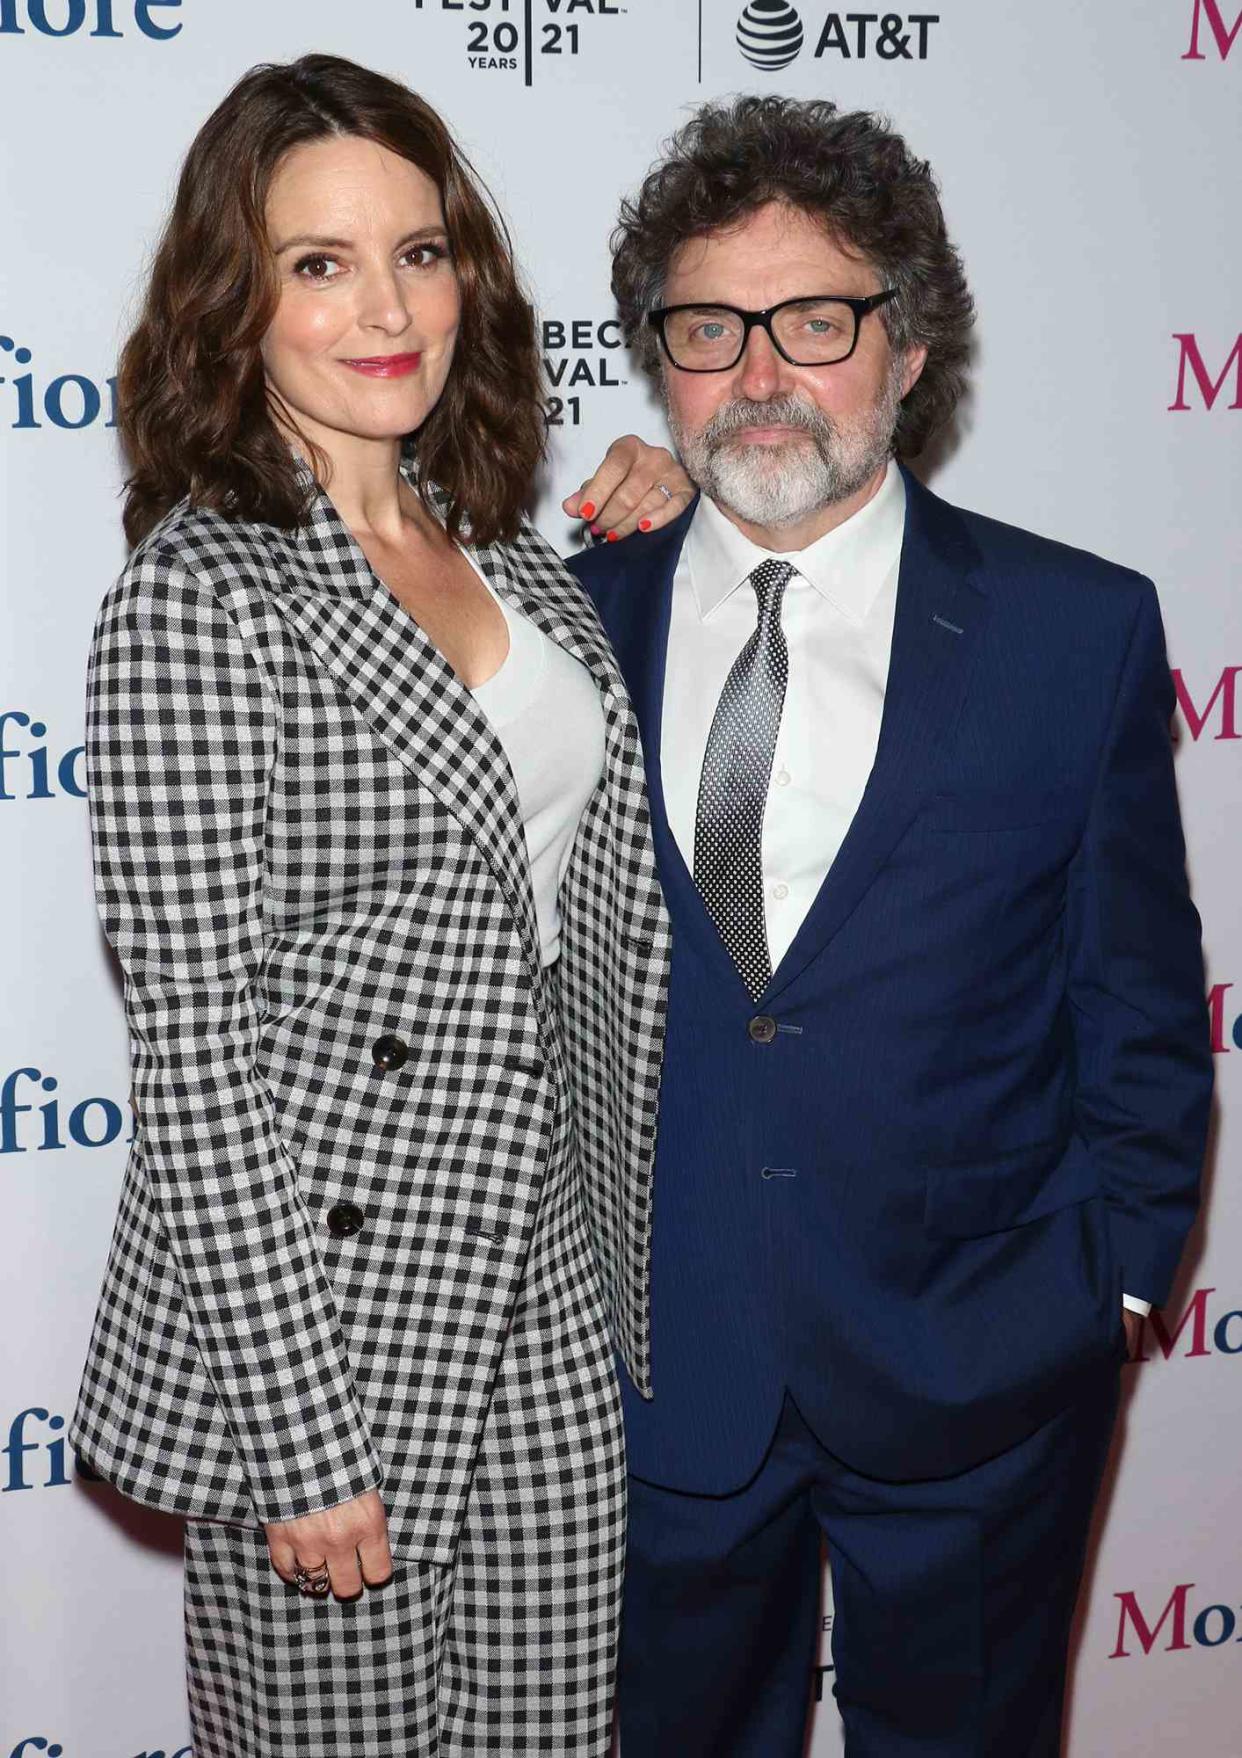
<point>761,370</point>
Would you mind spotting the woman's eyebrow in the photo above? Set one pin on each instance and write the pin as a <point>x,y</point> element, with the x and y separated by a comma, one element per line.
<point>319,242</point>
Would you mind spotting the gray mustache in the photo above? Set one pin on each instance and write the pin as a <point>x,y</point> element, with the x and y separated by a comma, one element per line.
<point>779,412</point>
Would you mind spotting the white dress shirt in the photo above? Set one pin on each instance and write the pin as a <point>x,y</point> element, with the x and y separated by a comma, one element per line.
<point>838,613</point>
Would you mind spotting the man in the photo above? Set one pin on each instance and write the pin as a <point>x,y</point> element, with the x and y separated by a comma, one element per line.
<point>937,1070</point>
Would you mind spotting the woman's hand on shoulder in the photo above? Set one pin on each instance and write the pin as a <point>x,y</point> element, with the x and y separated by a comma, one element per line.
<point>626,493</point>
<point>350,1541</point>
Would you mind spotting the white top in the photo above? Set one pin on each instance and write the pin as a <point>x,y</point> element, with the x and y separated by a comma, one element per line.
<point>545,710</point>
<point>837,615</point>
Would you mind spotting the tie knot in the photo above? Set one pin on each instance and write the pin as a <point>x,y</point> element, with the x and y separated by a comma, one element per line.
<point>769,580</point>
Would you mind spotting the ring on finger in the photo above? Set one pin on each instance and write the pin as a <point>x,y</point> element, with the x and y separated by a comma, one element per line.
<point>314,1581</point>
<point>666,492</point>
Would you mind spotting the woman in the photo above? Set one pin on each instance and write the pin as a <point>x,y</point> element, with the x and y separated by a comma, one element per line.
<point>372,847</point>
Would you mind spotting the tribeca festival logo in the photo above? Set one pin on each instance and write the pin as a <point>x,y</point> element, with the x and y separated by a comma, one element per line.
<point>578,352</point>
<point>770,35</point>
<point>95,18</point>
<point>70,400</point>
<point>1198,387</point>
<point>1211,1627</point>
<point>1224,36</point>
<point>505,35</point>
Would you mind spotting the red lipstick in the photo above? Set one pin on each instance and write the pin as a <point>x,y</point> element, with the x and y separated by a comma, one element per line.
<point>386,365</point>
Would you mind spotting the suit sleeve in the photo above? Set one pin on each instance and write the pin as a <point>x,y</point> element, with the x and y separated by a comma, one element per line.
<point>1136,985</point>
<point>181,733</point>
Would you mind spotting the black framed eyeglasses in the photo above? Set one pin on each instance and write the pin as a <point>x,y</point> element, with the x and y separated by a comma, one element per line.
<point>816,331</point>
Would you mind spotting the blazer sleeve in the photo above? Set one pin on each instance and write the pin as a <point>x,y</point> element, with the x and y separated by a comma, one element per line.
<point>181,731</point>
<point>1136,984</point>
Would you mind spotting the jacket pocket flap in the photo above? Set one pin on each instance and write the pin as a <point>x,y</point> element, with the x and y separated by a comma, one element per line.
<point>1008,1189</point>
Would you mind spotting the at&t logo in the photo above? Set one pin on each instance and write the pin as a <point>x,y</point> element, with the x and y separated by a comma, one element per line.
<point>769,34</point>
<point>106,18</point>
<point>28,769</point>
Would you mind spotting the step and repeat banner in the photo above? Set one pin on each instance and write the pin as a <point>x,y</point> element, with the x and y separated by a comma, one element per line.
<point>1088,157</point>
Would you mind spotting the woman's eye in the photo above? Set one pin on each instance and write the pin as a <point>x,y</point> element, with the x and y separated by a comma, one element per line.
<point>316,268</point>
<point>424,256</point>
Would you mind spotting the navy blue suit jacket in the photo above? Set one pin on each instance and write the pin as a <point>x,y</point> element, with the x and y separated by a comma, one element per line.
<point>984,1109</point>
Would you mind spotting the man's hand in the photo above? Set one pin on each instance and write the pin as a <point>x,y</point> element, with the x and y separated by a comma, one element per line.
<point>1133,1321</point>
<point>350,1540</point>
<point>625,494</point>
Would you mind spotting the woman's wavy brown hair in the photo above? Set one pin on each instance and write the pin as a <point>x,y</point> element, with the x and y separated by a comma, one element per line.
<point>849,170</point>
<point>195,415</point>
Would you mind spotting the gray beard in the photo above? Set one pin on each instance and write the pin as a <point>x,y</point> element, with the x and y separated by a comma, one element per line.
<point>776,485</point>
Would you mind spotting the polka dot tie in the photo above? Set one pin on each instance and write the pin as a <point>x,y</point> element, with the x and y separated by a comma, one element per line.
<point>733,789</point>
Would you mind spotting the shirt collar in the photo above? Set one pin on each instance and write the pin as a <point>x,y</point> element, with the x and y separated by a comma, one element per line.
<point>847,566</point>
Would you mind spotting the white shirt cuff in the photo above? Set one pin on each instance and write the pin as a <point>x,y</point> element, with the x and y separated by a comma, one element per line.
<point>1132,1304</point>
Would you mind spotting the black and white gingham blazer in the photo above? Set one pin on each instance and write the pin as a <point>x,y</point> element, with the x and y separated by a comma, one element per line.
<point>307,837</point>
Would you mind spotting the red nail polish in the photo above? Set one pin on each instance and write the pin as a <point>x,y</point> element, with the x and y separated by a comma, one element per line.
<point>597,531</point>
<point>588,509</point>
<point>612,537</point>
<point>644,524</point>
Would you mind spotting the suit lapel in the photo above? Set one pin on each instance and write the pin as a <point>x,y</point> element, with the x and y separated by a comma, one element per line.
<point>409,695</point>
<point>639,613</point>
<point>941,612</point>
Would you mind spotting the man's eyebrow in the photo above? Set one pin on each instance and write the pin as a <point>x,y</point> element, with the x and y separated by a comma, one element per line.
<point>318,242</point>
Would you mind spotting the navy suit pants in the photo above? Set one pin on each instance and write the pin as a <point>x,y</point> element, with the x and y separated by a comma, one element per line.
<point>953,1600</point>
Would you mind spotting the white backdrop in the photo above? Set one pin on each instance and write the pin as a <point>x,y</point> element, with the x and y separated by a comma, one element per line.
<point>1088,159</point>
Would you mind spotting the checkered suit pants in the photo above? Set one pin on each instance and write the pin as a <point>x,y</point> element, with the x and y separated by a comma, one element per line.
<point>508,1651</point>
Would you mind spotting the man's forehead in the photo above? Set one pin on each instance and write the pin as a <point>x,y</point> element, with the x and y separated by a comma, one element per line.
<point>774,238</point>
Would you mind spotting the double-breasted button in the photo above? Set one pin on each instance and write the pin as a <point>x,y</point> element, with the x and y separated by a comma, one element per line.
<point>344,1220</point>
<point>534,1066</point>
<point>389,1052</point>
<point>762,1029</point>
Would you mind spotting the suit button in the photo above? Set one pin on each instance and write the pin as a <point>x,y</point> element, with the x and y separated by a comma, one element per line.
<point>389,1052</point>
<point>762,1029</point>
<point>344,1220</point>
